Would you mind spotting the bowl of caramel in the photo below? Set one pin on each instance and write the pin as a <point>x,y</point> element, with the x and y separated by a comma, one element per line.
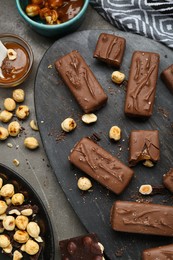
<point>16,60</point>
<point>53,18</point>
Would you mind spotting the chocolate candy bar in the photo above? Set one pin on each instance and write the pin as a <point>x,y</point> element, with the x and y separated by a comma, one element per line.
<point>141,85</point>
<point>144,145</point>
<point>81,81</point>
<point>135,217</point>
<point>100,165</point>
<point>110,49</point>
<point>168,180</point>
<point>160,253</point>
<point>167,77</point>
<point>82,247</point>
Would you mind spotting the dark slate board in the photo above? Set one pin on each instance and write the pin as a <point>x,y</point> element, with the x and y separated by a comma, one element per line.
<point>54,103</point>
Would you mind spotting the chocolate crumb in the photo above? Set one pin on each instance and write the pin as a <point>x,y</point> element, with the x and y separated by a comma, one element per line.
<point>158,190</point>
<point>119,252</point>
<point>95,137</point>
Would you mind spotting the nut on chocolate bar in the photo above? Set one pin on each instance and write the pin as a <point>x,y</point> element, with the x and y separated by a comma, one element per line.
<point>160,253</point>
<point>167,77</point>
<point>82,247</point>
<point>143,146</point>
<point>168,180</point>
<point>110,49</point>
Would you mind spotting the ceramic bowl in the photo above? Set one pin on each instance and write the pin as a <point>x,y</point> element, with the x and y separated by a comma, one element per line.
<point>57,30</point>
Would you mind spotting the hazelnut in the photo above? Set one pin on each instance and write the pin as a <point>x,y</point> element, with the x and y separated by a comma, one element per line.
<point>3,207</point>
<point>89,118</point>
<point>33,229</point>
<point>17,199</point>
<point>16,162</point>
<point>31,247</point>
<point>8,249</point>
<point>7,190</point>
<point>148,163</point>
<point>27,212</point>
<point>68,124</point>
<point>3,216</point>
<point>84,183</point>
<point>14,128</point>
<point>9,104</point>
<point>22,222</point>
<point>33,125</point>
<point>146,189</point>
<point>38,239</point>
<point>115,133</point>
<point>14,212</point>
<point>17,255</point>
<point>22,112</point>
<point>1,182</point>
<point>12,54</point>
<point>4,241</point>
<point>19,95</point>
<point>8,200</point>
<point>3,133</point>
<point>118,77</point>
<point>5,116</point>
<point>9,223</point>
<point>21,236</point>
<point>31,143</point>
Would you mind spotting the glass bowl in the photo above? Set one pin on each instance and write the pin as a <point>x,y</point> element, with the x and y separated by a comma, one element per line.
<point>23,64</point>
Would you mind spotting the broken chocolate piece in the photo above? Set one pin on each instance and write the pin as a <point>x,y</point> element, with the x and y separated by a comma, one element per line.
<point>81,81</point>
<point>168,180</point>
<point>141,86</point>
<point>82,247</point>
<point>160,253</point>
<point>167,77</point>
<point>143,145</point>
<point>100,165</point>
<point>135,217</point>
<point>110,49</point>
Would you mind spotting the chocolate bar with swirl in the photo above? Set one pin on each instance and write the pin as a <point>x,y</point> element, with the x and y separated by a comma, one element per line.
<point>95,161</point>
<point>81,81</point>
<point>143,218</point>
<point>160,253</point>
<point>141,87</point>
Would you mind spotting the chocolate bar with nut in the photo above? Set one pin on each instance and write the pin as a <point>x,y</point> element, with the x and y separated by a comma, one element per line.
<point>143,218</point>
<point>160,253</point>
<point>110,49</point>
<point>81,81</point>
<point>167,77</point>
<point>92,159</point>
<point>144,146</point>
<point>141,87</point>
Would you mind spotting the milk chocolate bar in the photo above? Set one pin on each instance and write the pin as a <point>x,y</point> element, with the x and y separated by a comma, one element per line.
<point>82,247</point>
<point>168,180</point>
<point>110,49</point>
<point>141,85</point>
<point>167,77</point>
<point>143,145</point>
<point>81,81</point>
<point>160,253</point>
<point>137,217</point>
<point>100,165</point>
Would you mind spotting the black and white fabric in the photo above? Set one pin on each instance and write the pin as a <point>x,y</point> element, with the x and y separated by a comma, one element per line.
<point>151,18</point>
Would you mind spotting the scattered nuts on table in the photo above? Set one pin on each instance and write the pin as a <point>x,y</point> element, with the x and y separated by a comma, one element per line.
<point>5,116</point>
<point>9,104</point>
<point>146,189</point>
<point>68,124</point>
<point>31,143</point>
<point>148,163</point>
<point>14,128</point>
<point>16,162</point>
<point>33,125</point>
<point>22,112</point>
<point>89,118</point>
<point>18,95</point>
<point>118,77</point>
<point>115,133</point>
<point>84,183</point>
<point>3,133</point>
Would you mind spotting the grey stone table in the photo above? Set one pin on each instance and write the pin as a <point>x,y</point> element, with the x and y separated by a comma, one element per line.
<point>34,166</point>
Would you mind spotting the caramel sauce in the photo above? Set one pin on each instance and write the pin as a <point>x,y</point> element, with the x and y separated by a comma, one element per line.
<point>13,70</point>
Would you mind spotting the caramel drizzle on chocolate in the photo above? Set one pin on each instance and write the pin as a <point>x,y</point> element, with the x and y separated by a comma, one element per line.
<point>111,45</point>
<point>95,164</point>
<point>86,78</point>
<point>166,253</point>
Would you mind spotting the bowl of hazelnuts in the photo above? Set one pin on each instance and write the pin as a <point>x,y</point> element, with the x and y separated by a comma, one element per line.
<point>53,18</point>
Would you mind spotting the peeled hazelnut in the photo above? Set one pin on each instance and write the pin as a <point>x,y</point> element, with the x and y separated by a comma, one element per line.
<point>8,200</point>
<point>33,125</point>
<point>21,236</point>
<point>146,189</point>
<point>3,133</point>
<point>148,163</point>
<point>3,216</point>
<point>84,183</point>
<point>22,112</point>
<point>16,162</point>
<point>14,128</point>
<point>31,247</point>
<point>89,118</point>
<point>9,223</point>
<point>118,77</point>
<point>17,199</point>
<point>5,116</point>
<point>8,249</point>
<point>68,124</point>
<point>9,104</point>
<point>3,207</point>
<point>7,190</point>
<point>19,95</point>
<point>31,143</point>
<point>115,133</point>
<point>17,255</point>
<point>22,222</point>
<point>32,10</point>
<point>14,212</point>
<point>12,54</point>
<point>4,241</point>
<point>33,229</point>
<point>38,239</point>
<point>27,212</point>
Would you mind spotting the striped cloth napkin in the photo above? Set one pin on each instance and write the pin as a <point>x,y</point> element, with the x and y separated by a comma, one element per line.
<point>151,18</point>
